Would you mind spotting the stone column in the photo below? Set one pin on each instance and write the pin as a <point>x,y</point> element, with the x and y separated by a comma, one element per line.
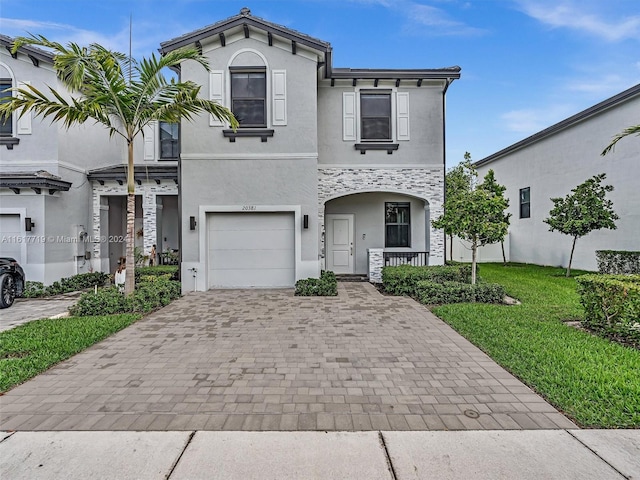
<point>376,262</point>
<point>149,220</point>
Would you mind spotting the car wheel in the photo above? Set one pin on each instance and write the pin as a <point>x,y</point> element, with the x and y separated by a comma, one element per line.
<point>7,290</point>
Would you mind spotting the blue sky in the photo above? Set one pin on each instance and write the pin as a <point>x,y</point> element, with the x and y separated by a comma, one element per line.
<point>526,64</point>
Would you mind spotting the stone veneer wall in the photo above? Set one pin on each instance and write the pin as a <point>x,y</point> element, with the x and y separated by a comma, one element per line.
<point>424,183</point>
<point>149,191</point>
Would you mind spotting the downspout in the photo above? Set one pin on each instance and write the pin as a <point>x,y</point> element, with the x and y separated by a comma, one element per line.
<point>448,82</point>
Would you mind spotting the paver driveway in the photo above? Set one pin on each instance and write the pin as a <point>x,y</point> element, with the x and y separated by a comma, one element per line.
<point>266,360</point>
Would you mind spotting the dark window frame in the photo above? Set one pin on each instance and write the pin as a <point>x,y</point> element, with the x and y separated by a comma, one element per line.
<point>262,71</point>
<point>6,128</point>
<point>397,226</point>
<point>525,206</point>
<point>364,117</point>
<point>173,142</point>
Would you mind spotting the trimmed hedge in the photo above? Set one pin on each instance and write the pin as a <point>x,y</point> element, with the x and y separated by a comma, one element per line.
<point>618,262</point>
<point>167,271</point>
<point>66,285</point>
<point>146,297</point>
<point>431,293</point>
<point>403,279</point>
<point>325,286</point>
<point>612,305</point>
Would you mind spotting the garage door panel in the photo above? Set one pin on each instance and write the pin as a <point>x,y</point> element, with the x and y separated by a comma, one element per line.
<point>251,249</point>
<point>249,239</point>
<point>251,259</point>
<point>10,229</point>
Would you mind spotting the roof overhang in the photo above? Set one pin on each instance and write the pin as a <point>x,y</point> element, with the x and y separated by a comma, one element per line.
<point>37,182</point>
<point>36,55</point>
<point>142,173</point>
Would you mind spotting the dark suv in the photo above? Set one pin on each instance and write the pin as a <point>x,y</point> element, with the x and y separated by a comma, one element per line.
<point>11,281</point>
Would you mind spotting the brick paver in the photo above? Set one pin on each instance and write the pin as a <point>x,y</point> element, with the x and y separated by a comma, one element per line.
<point>266,360</point>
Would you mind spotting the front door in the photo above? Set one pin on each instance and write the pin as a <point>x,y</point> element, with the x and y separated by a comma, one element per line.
<point>339,242</point>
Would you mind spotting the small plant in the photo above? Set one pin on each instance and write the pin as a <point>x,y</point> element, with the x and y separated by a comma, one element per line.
<point>325,286</point>
<point>75,283</point>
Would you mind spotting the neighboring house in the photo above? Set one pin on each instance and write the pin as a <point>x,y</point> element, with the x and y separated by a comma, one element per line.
<point>552,162</point>
<point>329,165</point>
<point>62,193</point>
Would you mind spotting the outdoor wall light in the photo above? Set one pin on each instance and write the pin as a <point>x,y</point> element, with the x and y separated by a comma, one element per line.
<point>192,223</point>
<point>28,224</point>
<point>305,221</point>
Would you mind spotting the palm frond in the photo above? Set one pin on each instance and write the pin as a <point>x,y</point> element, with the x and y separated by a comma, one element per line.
<point>633,130</point>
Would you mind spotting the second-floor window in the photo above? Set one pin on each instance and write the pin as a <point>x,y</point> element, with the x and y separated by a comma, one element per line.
<point>249,97</point>
<point>375,116</point>
<point>169,145</point>
<point>6,127</point>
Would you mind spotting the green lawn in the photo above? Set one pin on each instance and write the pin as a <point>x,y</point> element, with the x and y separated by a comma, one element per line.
<point>592,380</point>
<point>32,348</point>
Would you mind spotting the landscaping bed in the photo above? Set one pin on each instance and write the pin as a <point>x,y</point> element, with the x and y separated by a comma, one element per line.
<point>595,381</point>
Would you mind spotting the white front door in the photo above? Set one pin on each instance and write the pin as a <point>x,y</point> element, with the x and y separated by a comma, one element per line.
<point>339,242</point>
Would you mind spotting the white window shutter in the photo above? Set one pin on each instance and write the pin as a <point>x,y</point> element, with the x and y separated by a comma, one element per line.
<point>349,120</point>
<point>279,96</point>
<point>150,141</point>
<point>24,122</point>
<point>402,116</point>
<point>216,93</point>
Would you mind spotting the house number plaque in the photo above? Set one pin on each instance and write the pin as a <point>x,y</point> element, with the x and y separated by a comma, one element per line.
<point>248,208</point>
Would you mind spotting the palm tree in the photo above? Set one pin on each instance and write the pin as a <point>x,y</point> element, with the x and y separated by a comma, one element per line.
<point>119,92</point>
<point>627,131</point>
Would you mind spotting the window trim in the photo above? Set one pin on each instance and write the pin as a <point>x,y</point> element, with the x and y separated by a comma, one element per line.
<point>406,205</point>
<point>377,92</point>
<point>177,143</point>
<point>527,203</point>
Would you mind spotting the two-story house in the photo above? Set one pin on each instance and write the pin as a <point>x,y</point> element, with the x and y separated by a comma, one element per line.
<point>63,192</point>
<point>328,164</point>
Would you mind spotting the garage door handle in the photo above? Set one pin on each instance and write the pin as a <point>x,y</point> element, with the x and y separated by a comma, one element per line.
<point>351,251</point>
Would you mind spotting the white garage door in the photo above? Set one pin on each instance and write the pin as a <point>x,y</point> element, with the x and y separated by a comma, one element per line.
<point>10,234</point>
<point>251,249</point>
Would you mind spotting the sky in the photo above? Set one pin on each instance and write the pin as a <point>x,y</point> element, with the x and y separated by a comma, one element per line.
<point>526,64</point>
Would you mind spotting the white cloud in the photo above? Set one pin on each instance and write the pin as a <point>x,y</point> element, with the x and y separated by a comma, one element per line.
<point>531,120</point>
<point>600,85</point>
<point>611,25</point>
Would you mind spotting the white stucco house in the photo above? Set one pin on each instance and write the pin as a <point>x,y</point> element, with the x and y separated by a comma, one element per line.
<point>328,164</point>
<point>552,162</point>
<point>62,192</point>
<point>329,168</point>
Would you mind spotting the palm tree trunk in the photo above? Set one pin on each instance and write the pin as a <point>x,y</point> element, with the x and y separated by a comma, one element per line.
<point>129,284</point>
<point>573,247</point>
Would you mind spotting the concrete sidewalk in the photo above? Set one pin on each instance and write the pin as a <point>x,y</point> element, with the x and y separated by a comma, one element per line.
<point>25,310</point>
<point>539,454</point>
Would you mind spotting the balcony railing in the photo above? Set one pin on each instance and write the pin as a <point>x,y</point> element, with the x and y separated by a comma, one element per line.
<point>417,259</point>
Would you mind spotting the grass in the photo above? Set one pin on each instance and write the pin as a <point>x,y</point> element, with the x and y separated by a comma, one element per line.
<point>32,348</point>
<point>592,380</point>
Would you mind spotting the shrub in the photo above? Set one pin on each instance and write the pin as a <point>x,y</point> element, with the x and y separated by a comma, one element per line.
<point>618,262</point>
<point>612,305</point>
<point>403,279</point>
<point>157,271</point>
<point>325,286</point>
<point>432,293</point>
<point>146,297</point>
<point>66,285</point>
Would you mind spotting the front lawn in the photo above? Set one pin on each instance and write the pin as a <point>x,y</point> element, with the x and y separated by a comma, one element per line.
<point>32,348</point>
<point>592,380</point>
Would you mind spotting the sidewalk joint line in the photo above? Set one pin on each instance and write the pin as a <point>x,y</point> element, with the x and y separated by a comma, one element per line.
<point>175,464</point>
<point>10,434</point>
<point>597,455</point>
<point>387,456</point>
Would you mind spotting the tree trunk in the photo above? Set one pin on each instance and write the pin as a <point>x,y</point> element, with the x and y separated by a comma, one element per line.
<point>450,247</point>
<point>504,257</point>
<point>573,247</point>
<point>474,251</point>
<point>130,278</point>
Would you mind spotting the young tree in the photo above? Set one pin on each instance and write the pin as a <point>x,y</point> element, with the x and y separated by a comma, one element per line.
<point>581,212</point>
<point>498,190</point>
<point>457,181</point>
<point>633,130</point>
<point>120,93</point>
<point>477,216</point>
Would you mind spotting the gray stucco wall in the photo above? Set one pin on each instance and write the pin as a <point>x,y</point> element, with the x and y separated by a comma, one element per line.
<point>552,167</point>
